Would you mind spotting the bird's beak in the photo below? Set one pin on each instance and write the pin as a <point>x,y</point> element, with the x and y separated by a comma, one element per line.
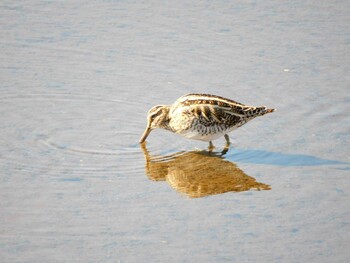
<point>145,134</point>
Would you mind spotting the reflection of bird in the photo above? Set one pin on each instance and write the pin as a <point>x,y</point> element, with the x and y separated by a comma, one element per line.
<point>202,117</point>
<point>199,173</point>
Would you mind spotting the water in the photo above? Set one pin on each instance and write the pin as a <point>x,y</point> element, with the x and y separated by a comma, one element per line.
<point>77,79</point>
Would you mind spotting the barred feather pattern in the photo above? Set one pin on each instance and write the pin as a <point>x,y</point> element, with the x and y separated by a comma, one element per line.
<point>203,116</point>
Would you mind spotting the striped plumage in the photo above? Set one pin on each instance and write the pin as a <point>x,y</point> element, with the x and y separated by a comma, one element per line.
<point>202,117</point>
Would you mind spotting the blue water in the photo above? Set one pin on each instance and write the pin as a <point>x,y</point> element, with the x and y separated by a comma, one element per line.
<point>280,159</point>
<point>76,81</point>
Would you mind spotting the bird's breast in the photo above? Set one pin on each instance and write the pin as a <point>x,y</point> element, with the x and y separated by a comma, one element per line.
<point>198,131</point>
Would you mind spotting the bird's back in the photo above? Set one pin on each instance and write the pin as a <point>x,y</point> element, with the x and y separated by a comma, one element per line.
<point>215,109</point>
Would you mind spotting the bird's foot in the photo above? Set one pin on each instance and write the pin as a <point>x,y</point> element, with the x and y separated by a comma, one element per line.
<point>225,150</point>
<point>211,147</point>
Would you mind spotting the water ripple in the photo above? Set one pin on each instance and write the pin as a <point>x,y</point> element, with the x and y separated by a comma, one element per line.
<point>79,133</point>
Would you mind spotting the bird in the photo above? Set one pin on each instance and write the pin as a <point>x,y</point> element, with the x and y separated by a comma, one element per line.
<point>202,117</point>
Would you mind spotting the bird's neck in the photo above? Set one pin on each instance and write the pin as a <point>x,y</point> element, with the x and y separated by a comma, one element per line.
<point>166,123</point>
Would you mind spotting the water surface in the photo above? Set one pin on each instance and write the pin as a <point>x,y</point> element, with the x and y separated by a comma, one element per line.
<point>77,79</point>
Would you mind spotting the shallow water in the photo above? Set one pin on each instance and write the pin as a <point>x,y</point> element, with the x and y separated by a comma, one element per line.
<point>77,80</point>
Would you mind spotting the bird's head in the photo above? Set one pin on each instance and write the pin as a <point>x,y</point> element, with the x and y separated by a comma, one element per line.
<point>158,117</point>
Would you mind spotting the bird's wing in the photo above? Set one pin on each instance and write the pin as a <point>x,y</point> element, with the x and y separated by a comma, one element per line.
<point>213,109</point>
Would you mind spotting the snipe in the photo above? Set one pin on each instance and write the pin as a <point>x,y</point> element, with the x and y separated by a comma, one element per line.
<point>202,117</point>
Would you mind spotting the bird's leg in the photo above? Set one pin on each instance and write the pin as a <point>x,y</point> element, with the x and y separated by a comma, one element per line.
<point>211,146</point>
<point>227,140</point>
<point>227,146</point>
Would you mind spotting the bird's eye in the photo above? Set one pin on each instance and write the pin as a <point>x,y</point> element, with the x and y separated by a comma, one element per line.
<point>153,116</point>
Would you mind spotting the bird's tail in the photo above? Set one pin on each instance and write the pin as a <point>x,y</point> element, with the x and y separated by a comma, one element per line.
<point>269,110</point>
<point>259,111</point>
<point>252,112</point>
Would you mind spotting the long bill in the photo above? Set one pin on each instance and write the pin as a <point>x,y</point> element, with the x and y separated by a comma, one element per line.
<point>145,134</point>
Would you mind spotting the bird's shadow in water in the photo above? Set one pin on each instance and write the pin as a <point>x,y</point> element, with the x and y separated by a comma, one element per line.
<point>277,159</point>
<point>199,173</point>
